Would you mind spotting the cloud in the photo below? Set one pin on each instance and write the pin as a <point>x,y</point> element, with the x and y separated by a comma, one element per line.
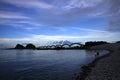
<point>12,15</point>
<point>34,4</point>
<point>37,38</point>
<point>45,37</point>
<point>97,8</point>
<point>22,26</point>
<point>18,20</point>
<point>48,38</point>
<point>57,12</point>
<point>13,39</point>
<point>90,30</point>
<point>71,13</point>
<point>114,12</point>
<point>68,12</point>
<point>81,3</point>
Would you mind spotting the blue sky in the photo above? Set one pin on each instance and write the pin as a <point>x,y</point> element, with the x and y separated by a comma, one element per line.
<point>42,21</point>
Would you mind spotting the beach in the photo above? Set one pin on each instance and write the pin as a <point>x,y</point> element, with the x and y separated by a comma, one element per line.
<point>104,68</point>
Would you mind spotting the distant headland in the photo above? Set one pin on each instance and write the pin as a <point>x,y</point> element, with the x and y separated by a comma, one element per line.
<point>78,45</point>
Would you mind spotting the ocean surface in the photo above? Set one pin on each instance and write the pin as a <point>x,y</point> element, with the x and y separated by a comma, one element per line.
<point>44,64</point>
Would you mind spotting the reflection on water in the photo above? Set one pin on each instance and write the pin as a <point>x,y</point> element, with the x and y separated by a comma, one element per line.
<point>43,64</point>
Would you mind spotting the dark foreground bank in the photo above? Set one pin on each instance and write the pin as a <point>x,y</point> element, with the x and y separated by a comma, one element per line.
<point>105,67</point>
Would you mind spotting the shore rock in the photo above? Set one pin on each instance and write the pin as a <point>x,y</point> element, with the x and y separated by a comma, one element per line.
<point>19,46</point>
<point>30,46</point>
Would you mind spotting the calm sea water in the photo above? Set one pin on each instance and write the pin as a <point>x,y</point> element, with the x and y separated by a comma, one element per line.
<point>43,64</point>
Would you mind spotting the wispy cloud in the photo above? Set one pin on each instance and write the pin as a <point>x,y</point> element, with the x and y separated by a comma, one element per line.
<point>36,38</point>
<point>34,4</point>
<point>114,11</point>
<point>18,20</point>
<point>90,30</point>
<point>97,8</point>
<point>14,39</point>
<point>12,15</point>
<point>45,37</point>
<point>73,9</point>
<point>60,16</point>
<point>18,24</point>
<point>82,3</point>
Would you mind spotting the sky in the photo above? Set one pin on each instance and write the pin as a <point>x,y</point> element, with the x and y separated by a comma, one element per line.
<point>43,21</point>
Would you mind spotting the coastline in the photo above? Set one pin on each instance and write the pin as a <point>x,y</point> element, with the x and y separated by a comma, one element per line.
<point>99,68</point>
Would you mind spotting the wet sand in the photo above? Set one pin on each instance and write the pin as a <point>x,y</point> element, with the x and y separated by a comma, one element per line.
<point>104,68</point>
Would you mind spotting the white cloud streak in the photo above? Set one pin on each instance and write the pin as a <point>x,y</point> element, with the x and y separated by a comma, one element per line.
<point>34,4</point>
<point>36,38</point>
<point>90,30</point>
<point>13,39</point>
<point>11,15</point>
<point>18,20</point>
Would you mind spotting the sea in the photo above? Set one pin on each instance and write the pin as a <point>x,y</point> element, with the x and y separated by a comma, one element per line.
<point>44,64</point>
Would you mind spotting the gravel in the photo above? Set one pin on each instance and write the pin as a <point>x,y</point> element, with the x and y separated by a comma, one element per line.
<point>107,68</point>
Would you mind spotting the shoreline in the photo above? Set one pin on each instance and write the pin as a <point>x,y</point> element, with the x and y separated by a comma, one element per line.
<point>90,67</point>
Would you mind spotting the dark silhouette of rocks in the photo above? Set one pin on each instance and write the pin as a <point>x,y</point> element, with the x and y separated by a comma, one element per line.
<point>30,46</point>
<point>19,46</point>
<point>118,42</point>
<point>95,43</point>
<point>87,45</point>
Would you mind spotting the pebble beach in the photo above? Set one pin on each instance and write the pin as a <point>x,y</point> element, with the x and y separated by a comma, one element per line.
<point>105,68</point>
